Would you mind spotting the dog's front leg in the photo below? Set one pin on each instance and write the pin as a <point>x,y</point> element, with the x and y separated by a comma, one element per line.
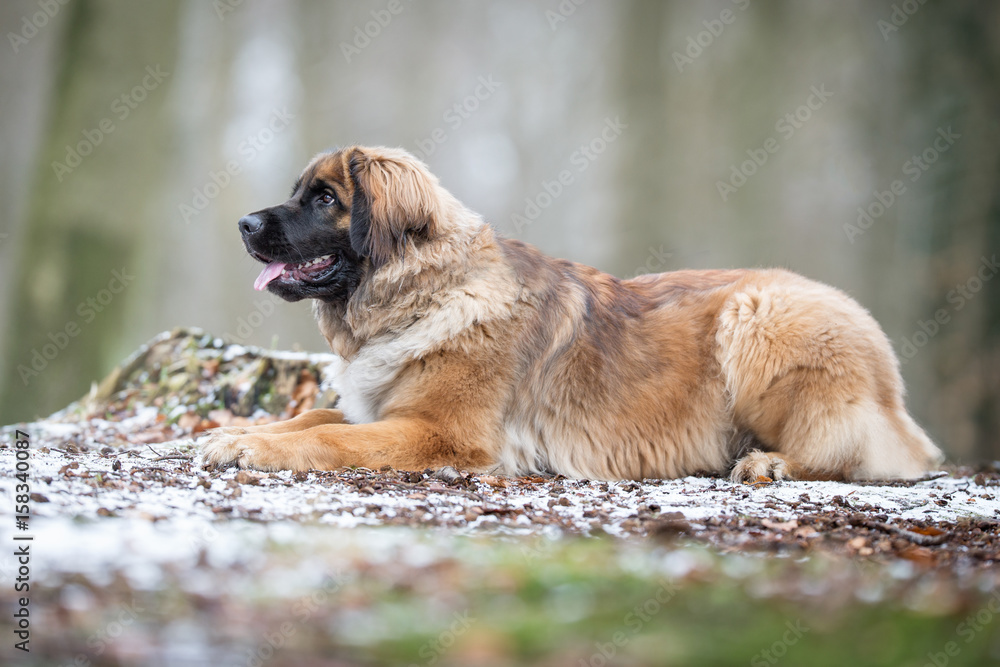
<point>402,443</point>
<point>307,419</point>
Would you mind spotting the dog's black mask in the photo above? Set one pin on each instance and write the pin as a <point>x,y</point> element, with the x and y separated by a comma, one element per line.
<point>306,241</point>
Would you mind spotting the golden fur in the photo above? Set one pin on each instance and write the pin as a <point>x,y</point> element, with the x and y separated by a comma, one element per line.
<point>463,348</point>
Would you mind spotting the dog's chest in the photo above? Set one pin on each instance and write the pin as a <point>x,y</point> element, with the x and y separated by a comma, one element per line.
<point>364,382</point>
<point>361,385</point>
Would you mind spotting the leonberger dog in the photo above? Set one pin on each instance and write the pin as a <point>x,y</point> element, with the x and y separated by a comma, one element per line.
<point>458,347</point>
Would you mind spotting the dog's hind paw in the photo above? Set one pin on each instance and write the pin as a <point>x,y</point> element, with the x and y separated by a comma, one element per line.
<point>759,464</point>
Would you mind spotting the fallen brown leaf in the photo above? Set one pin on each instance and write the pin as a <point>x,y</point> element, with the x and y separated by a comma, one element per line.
<point>783,526</point>
<point>204,425</point>
<point>244,477</point>
<point>918,555</point>
<point>189,421</point>
<point>495,482</point>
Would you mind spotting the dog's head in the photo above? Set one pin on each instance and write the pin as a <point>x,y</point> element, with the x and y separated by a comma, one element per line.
<point>350,212</point>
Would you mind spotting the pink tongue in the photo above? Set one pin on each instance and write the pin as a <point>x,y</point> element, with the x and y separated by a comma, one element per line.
<point>270,272</point>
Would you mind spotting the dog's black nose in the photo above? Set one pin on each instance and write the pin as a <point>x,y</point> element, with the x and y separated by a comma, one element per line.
<point>250,224</point>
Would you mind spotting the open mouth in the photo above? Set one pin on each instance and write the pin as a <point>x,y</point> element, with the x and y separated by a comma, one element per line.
<point>310,271</point>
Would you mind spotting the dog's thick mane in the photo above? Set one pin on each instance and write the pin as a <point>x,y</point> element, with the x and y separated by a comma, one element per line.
<point>444,282</point>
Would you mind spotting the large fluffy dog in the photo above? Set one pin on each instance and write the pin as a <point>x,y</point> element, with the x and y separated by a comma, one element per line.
<point>462,348</point>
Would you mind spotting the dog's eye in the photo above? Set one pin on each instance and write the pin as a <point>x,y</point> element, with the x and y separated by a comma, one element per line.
<point>326,198</point>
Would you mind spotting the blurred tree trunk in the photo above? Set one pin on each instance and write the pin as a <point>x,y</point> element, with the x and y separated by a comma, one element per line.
<point>29,72</point>
<point>106,137</point>
<point>954,57</point>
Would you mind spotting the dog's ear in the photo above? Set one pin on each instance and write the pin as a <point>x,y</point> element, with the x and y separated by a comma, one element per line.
<point>394,199</point>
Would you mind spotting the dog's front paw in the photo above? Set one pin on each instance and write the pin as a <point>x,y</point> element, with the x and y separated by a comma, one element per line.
<point>226,448</point>
<point>237,447</point>
<point>759,464</point>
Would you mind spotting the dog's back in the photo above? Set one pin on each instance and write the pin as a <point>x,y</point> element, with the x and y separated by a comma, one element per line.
<point>665,375</point>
